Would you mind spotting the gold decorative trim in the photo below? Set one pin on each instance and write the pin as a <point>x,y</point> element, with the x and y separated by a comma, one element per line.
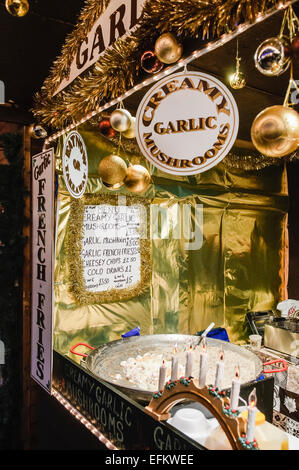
<point>74,247</point>
<point>119,68</point>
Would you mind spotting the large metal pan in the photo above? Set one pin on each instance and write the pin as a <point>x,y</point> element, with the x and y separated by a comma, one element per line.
<point>104,361</point>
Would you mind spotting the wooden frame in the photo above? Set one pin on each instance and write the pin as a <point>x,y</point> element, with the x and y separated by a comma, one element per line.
<point>185,389</point>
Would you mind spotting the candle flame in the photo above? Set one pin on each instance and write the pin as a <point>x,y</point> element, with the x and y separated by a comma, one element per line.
<point>163,363</point>
<point>252,398</point>
<point>175,349</point>
<point>190,348</point>
<point>204,345</point>
<point>237,373</point>
<point>221,355</point>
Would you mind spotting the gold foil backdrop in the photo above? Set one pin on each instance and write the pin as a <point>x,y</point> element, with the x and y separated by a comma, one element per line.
<point>236,262</point>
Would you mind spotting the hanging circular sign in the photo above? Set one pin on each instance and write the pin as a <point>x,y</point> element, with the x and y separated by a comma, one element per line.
<point>187,123</point>
<point>75,164</point>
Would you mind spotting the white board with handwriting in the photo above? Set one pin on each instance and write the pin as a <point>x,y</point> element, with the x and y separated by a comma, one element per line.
<point>111,247</point>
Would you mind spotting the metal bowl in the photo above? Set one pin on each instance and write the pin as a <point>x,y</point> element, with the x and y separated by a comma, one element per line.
<point>104,362</point>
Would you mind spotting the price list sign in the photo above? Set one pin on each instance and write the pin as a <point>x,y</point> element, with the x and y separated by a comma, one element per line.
<point>111,247</point>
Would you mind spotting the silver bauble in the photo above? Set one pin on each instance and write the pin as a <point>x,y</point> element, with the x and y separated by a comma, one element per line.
<point>120,120</point>
<point>37,132</point>
<point>271,57</point>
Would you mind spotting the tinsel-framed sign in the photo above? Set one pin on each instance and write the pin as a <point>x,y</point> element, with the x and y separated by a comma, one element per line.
<point>108,248</point>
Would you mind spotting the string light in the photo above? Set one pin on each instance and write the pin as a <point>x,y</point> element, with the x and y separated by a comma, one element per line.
<point>83,420</point>
<point>181,63</point>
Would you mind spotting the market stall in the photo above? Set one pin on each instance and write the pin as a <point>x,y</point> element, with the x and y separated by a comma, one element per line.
<point>160,210</point>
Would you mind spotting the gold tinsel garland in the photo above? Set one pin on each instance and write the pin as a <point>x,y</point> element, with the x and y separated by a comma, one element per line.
<point>119,68</point>
<point>74,239</point>
<point>255,161</point>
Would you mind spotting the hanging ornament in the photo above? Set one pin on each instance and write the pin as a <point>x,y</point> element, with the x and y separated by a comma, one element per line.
<point>291,23</point>
<point>112,170</point>
<point>37,132</point>
<point>237,79</point>
<point>275,131</point>
<point>138,179</point>
<point>130,133</point>
<point>295,47</point>
<point>272,56</point>
<point>17,7</point>
<point>106,129</point>
<point>168,49</point>
<point>150,63</point>
<point>120,120</point>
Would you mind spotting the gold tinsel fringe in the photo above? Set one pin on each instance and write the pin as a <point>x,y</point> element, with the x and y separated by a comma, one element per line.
<point>231,161</point>
<point>119,68</point>
<point>74,247</point>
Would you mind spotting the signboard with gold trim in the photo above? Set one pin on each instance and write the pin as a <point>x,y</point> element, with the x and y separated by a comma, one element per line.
<point>187,123</point>
<point>108,249</point>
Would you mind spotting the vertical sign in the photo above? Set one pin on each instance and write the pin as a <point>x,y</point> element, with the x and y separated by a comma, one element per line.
<point>42,267</point>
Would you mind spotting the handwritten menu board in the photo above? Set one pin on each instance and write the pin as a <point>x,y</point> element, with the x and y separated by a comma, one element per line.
<point>111,247</point>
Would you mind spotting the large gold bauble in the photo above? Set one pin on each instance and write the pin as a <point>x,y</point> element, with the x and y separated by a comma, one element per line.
<point>167,49</point>
<point>138,179</point>
<point>112,170</point>
<point>17,7</point>
<point>120,120</point>
<point>275,131</point>
<point>130,133</point>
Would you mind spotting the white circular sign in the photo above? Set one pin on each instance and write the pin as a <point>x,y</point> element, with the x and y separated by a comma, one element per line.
<point>186,123</point>
<point>75,164</point>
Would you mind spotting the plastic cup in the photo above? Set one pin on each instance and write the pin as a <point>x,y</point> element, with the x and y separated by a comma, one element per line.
<point>255,341</point>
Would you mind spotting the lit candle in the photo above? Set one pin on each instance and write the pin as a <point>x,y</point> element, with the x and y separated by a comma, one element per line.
<point>251,408</point>
<point>162,377</point>
<point>189,363</point>
<point>202,365</point>
<point>174,366</point>
<point>235,391</point>
<point>219,371</point>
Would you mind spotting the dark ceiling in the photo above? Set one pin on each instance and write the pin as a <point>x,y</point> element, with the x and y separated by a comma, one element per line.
<point>29,45</point>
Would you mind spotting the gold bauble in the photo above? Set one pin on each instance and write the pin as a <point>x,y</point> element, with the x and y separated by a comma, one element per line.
<point>112,170</point>
<point>237,80</point>
<point>275,131</point>
<point>120,120</point>
<point>17,7</point>
<point>138,179</point>
<point>167,49</point>
<point>130,133</point>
